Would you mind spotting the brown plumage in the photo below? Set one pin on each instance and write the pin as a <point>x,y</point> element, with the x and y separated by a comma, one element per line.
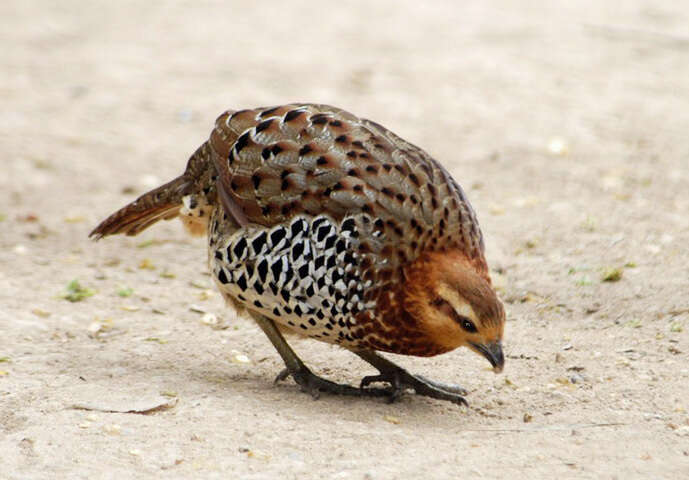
<point>336,228</point>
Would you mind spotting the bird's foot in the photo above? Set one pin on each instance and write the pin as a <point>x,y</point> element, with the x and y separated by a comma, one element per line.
<point>314,385</point>
<point>401,380</point>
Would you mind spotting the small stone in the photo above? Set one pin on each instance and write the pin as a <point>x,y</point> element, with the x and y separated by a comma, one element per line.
<point>112,429</point>
<point>558,146</point>
<point>40,313</point>
<point>209,319</point>
<point>527,418</point>
<point>240,358</point>
<point>391,419</point>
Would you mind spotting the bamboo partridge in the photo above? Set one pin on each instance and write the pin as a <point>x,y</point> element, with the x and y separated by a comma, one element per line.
<point>333,227</point>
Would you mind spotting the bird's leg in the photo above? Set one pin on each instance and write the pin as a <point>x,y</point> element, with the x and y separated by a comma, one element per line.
<point>307,380</point>
<point>400,379</point>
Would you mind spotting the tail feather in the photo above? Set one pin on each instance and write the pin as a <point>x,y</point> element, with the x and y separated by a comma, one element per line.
<point>162,203</point>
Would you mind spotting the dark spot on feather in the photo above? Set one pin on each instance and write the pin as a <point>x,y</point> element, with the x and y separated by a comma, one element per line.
<point>239,247</point>
<point>304,271</point>
<point>341,139</point>
<point>264,124</point>
<point>387,167</point>
<point>372,169</point>
<point>265,113</point>
<point>318,119</point>
<point>386,191</point>
<point>321,161</point>
<point>297,250</point>
<point>222,277</point>
<point>305,149</point>
<point>242,141</point>
<point>258,243</point>
<point>414,179</point>
<point>285,185</point>
<point>358,188</point>
<point>277,149</point>
<point>276,268</point>
<point>292,114</point>
<point>401,197</point>
<point>432,189</point>
<point>336,123</point>
<point>263,270</point>
<point>265,153</point>
<point>258,304</point>
<point>358,144</point>
<point>256,179</point>
<point>258,288</point>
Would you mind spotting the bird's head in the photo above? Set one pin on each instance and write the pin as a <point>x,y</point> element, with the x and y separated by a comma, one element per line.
<point>455,305</point>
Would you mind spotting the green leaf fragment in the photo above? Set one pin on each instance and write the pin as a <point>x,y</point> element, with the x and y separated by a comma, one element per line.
<point>76,292</point>
<point>125,292</point>
<point>612,275</point>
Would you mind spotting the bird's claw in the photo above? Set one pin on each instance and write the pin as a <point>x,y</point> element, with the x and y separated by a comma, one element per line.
<point>313,384</point>
<point>401,380</point>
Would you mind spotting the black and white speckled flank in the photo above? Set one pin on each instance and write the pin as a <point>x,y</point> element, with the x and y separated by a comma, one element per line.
<point>304,275</point>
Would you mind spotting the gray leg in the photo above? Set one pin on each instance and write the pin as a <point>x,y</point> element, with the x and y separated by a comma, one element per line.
<point>400,380</point>
<point>308,381</point>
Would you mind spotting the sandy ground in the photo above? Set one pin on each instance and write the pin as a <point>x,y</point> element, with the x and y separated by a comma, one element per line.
<point>566,125</point>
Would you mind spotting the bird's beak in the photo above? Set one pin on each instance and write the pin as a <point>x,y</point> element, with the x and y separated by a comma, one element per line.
<point>492,352</point>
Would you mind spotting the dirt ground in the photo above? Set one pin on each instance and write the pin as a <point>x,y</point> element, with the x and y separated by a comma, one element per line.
<point>566,122</point>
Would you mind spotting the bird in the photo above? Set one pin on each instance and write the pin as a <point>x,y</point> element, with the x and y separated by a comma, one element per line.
<point>330,226</point>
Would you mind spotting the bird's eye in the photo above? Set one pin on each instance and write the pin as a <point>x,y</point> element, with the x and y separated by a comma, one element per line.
<point>445,307</point>
<point>467,324</point>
